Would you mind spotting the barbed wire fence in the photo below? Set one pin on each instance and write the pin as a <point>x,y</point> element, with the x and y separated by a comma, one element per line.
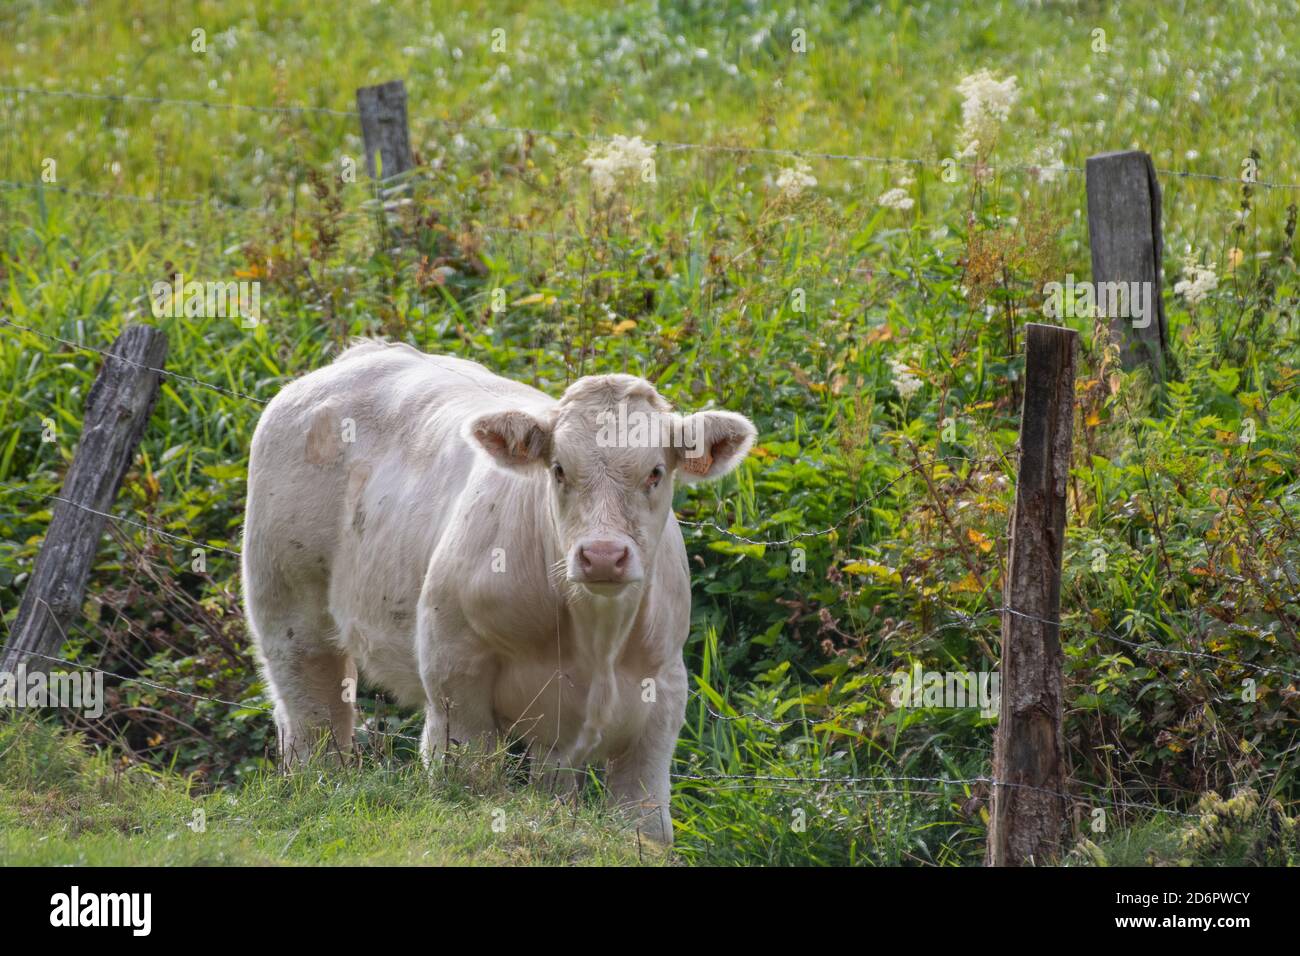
<point>864,786</point>
<point>1099,793</point>
<point>869,784</point>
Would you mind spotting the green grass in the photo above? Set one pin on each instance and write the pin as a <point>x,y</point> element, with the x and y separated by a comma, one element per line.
<point>62,804</point>
<point>1181,535</point>
<point>59,806</point>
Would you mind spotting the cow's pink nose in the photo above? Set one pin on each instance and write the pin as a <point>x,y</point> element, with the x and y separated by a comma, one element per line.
<point>603,561</point>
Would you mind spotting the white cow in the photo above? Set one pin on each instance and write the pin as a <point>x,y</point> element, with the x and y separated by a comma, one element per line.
<point>509,562</point>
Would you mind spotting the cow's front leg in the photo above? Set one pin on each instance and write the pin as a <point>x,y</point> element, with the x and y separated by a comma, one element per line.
<point>458,674</point>
<point>551,772</point>
<point>639,777</point>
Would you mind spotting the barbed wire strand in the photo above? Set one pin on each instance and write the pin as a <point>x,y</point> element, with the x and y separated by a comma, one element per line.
<point>109,355</point>
<point>173,101</point>
<point>780,542</point>
<point>389,187</point>
<point>143,526</point>
<point>1155,648</point>
<point>672,145</point>
<point>963,621</point>
<point>754,780</point>
<point>853,261</point>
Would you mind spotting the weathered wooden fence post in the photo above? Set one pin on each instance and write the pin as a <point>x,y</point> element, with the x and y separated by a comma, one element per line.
<point>383,125</point>
<point>117,410</point>
<point>1125,239</point>
<point>1028,813</point>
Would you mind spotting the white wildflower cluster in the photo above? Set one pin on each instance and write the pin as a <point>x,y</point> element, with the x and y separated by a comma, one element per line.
<point>905,382</point>
<point>897,197</point>
<point>619,159</point>
<point>792,181</point>
<point>1198,280</point>
<point>986,106</point>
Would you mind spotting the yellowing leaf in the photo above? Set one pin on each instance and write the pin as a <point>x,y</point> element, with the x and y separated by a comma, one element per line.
<point>625,326</point>
<point>980,540</point>
<point>534,299</point>
<point>877,571</point>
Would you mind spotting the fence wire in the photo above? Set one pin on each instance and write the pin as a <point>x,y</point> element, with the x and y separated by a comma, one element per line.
<point>963,620</point>
<point>857,785</point>
<point>966,620</point>
<point>668,145</point>
<point>118,358</point>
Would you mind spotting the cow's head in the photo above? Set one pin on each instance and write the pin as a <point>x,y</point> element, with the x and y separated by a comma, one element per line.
<point>609,453</point>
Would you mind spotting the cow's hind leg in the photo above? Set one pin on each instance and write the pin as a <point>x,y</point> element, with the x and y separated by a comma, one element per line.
<point>312,682</point>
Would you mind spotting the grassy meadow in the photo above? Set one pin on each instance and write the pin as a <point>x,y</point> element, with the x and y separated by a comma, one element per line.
<point>834,222</point>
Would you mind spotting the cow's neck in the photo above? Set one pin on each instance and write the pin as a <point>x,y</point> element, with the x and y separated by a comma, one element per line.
<point>600,629</point>
<point>598,624</point>
<point>601,624</point>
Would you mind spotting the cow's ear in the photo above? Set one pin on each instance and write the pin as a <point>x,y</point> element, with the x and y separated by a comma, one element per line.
<point>711,444</point>
<point>514,439</point>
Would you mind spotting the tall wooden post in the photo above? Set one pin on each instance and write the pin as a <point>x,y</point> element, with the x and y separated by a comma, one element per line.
<point>383,126</point>
<point>1028,814</point>
<point>1125,240</point>
<point>117,410</point>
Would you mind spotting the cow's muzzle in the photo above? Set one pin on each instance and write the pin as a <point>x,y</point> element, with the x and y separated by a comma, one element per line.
<point>604,561</point>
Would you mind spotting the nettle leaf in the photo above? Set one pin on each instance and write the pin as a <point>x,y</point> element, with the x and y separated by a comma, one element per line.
<point>1225,378</point>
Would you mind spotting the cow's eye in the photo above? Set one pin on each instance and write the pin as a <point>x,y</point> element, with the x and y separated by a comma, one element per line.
<point>655,476</point>
<point>558,472</point>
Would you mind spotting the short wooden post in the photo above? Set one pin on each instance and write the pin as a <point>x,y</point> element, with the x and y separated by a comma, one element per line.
<point>1125,239</point>
<point>117,410</point>
<point>383,126</point>
<point>1028,812</point>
